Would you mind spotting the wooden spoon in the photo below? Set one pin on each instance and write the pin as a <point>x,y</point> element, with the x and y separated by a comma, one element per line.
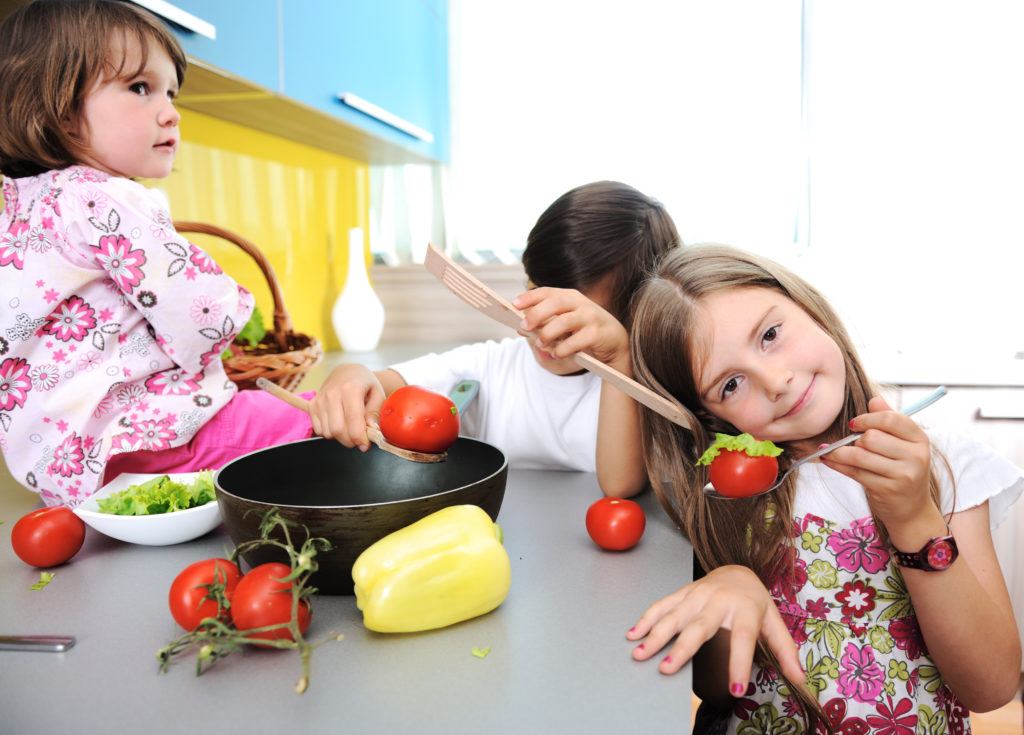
<point>372,432</point>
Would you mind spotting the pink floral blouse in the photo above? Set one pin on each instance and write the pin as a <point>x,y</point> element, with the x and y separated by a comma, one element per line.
<point>111,329</point>
<point>847,607</point>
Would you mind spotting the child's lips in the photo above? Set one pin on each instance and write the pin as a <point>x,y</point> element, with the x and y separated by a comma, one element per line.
<point>803,401</point>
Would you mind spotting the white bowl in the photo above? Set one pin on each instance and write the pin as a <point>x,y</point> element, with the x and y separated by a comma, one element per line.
<point>162,529</point>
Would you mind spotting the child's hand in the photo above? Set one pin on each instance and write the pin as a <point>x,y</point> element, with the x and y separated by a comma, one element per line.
<point>349,398</point>
<point>567,322</point>
<point>729,598</point>
<point>892,462</point>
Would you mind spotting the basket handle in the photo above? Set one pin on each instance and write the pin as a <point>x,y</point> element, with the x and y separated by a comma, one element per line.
<point>282,322</point>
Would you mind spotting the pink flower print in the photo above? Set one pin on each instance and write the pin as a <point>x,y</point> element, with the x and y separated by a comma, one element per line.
<point>104,407</point>
<point>15,383</point>
<point>96,202</point>
<point>894,720</point>
<point>861,678</point>
<point>817,608</point>
<point>906,634</point>
<point>130,395</point>
<point>857,598</point>
<point>172,383</point>
<point>127,442</point>
<point>67,458</point>
<point>203,261</point>
<point>206,310</point>
<point>44,377</point>
<point>89,361</point>
<point>858,548</point>
<point>13,244</point>
<point>71,320</point>
<point>161,226</point>
<point>797,627</point>
<point>214,354</point>
<point>39,239</point>
<point>123,264</point>
<point>154,435</point>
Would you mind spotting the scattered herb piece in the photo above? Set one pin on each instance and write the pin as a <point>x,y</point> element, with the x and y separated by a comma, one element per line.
<point>481,652</point>
<point>159,495</point>
<point>44,579</point>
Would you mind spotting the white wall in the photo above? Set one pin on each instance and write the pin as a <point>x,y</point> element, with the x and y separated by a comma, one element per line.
<point>913,142</point>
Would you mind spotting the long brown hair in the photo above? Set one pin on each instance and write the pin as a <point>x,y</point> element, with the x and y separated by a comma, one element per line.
<point>53,52</point>
<point>665,350</point>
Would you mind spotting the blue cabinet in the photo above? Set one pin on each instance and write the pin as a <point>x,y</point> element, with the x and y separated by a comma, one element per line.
<point>391,54</point>
<point>246,35</point>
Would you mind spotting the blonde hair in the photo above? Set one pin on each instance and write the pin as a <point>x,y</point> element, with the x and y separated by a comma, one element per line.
<point>664,342</point>
<point>54,51</point>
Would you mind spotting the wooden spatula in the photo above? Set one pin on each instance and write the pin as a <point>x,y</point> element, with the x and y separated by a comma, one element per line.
<point>475,293</point>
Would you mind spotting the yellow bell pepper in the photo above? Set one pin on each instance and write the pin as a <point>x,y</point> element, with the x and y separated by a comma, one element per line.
<point>447,567</point>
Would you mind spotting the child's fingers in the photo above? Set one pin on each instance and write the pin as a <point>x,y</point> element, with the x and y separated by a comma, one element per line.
<point>779,640</point>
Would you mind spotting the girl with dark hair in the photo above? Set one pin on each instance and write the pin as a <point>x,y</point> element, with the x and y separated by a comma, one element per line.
<point>584,258</point>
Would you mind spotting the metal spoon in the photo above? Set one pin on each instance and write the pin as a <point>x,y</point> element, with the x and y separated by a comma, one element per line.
<point>928,400</point>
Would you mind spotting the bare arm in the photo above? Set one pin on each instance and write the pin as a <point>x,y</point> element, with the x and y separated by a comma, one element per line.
<point>891,460</point>
<point>567,322</point>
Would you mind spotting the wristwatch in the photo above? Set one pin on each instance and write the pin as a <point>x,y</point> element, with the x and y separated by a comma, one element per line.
<point>935,556</point>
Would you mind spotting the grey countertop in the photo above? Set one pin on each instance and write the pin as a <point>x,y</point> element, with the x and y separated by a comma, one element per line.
<point>559,659</point>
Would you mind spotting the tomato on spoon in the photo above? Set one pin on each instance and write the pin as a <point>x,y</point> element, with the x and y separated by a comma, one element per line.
<point>740,466</point>
<point>419,420</point>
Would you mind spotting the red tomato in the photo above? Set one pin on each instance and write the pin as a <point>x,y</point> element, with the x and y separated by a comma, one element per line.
<point>188,597</point>
<point>735,474</point>
<point>48,536</point>
<point>420,420</point>
<point>262,599</point>
<point>615,524</point>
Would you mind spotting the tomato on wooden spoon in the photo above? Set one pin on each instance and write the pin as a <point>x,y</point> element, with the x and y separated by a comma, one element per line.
<point>48,536</point>
<point>740,466</point>
<point>419,419</point>
<point>616,524</point>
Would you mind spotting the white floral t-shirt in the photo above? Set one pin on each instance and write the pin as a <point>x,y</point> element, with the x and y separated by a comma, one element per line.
<point>111,329</point>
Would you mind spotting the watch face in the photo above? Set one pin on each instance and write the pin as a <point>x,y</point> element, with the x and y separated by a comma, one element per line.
<point>940,554</point>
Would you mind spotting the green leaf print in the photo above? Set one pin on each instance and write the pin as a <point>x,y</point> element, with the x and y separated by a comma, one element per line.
<point>811,541</point>
<point>898,670</point>
<point>821,673</point>
<point>929,722</point>
<point>765,720</point>
<point>895,593</point>
<point>823,575</point>
<point>880,639</point>
<point>930,678</point>
<point>827,632</point>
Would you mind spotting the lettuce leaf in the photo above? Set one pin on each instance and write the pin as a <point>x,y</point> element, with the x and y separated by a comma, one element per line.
<point>742,443</point>
<point>160,494</point>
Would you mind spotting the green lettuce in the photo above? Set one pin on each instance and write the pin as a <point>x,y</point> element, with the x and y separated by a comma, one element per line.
<point>742,443</point>
<point>161,494</point>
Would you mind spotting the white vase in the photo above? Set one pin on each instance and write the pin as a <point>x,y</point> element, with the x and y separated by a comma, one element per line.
<point>358,314</point>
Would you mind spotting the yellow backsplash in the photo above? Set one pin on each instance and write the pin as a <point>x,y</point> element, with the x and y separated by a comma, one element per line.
<point>295,202</point>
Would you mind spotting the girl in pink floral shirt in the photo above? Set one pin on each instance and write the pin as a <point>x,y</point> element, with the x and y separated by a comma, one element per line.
<point>864,595</point>
<point>111,324</point>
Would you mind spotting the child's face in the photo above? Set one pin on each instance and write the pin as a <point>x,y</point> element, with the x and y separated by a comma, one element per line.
<point>769,369</point>
<point>130,124</point>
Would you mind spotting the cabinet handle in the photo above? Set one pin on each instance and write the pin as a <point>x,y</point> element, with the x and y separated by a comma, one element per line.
<point>181,17</point>
<point>388,118</point>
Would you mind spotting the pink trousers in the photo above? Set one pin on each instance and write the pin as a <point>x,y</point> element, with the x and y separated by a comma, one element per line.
<point>253,420</point>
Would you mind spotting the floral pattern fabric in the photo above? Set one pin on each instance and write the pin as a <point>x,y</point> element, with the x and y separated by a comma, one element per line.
<point>111,329</point>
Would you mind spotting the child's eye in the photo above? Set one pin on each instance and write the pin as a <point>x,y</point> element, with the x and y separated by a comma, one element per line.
<point>729,387</point>
<point>139,88</point>
<point>771,334</point>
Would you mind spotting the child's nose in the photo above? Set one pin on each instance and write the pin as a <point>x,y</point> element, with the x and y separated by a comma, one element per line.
<point>169,114</point>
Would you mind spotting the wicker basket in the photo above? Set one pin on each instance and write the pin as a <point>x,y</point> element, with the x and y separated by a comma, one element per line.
<point>283,356</point>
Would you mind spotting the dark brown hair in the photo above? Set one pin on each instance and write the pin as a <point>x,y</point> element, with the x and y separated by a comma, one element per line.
<point>597,229</point>
<point>53,52</point>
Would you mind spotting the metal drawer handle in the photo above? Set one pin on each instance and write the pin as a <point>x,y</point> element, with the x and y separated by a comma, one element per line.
<point>388,118</point>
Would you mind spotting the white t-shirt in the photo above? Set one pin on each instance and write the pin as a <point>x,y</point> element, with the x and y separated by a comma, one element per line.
<point>539,420</point>
<point>979,474</point>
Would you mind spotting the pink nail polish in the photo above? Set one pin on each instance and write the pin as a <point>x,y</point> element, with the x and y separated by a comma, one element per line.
<point>667,660</point>
<point>640,647</point>
<point>632,629</point>
<point>737,688</point>
<point>851,423</point>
